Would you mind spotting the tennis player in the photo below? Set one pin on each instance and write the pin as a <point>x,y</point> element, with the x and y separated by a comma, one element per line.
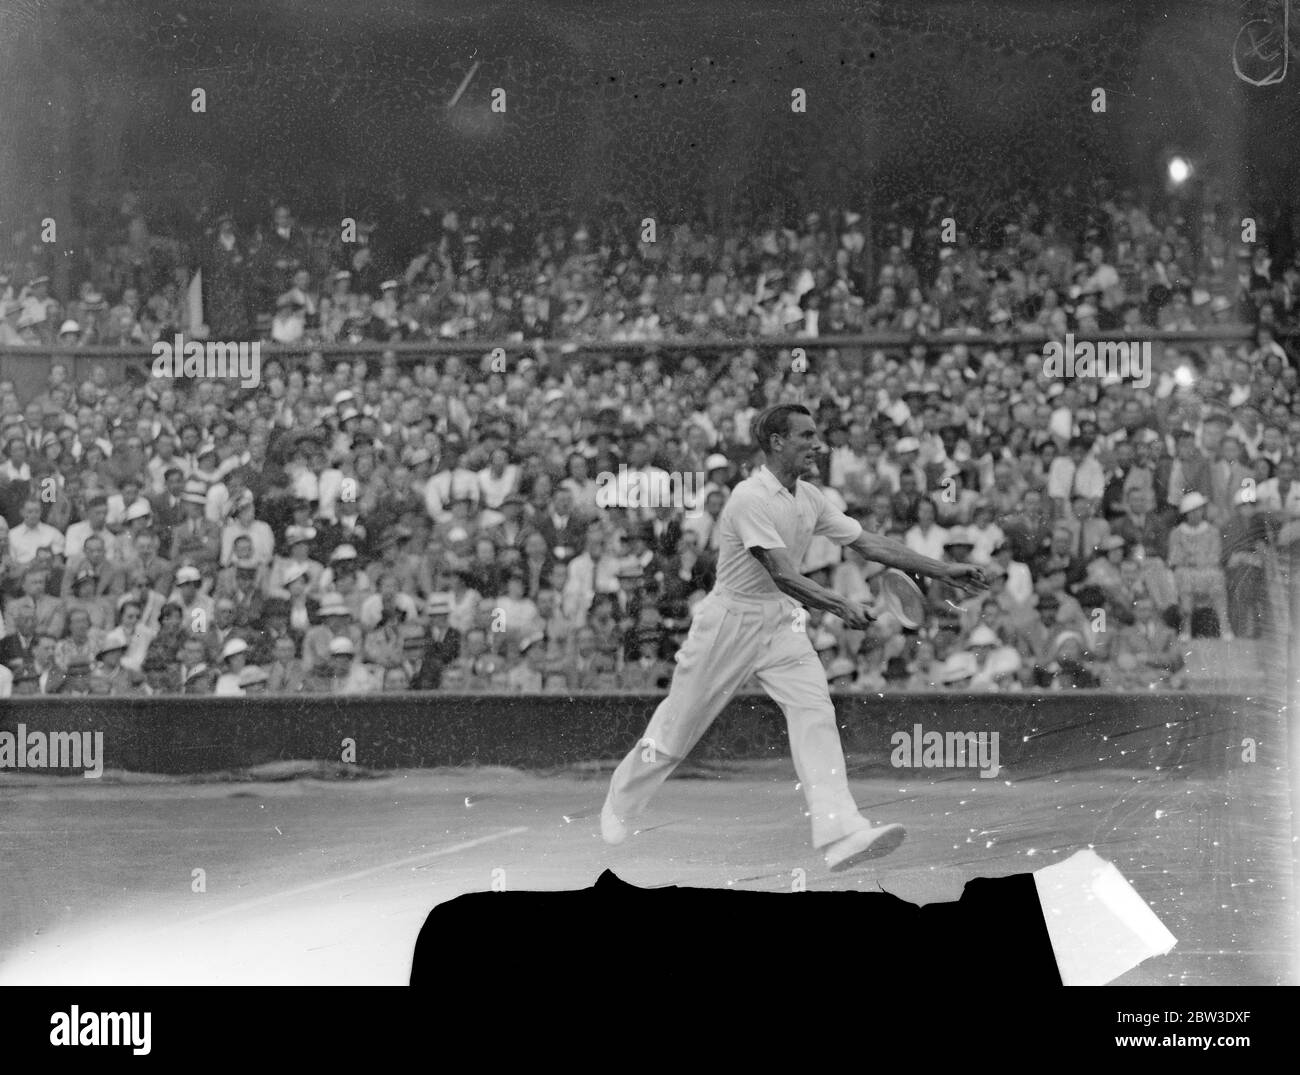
<point>752,623</point>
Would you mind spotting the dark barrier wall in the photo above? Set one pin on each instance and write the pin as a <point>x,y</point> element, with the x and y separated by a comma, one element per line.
<point>1038,734</point>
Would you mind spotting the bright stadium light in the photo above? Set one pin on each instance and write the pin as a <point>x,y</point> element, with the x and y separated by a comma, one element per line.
<point>1180,170</point>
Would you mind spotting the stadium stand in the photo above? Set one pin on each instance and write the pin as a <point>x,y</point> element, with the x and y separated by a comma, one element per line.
<point>369,519</point>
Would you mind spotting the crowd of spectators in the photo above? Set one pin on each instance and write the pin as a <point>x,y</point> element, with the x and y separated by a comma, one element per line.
<point>434,524</point>
<point>1094,260</point>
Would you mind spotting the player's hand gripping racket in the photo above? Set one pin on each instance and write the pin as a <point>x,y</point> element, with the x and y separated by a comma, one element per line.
<point>902,597</point>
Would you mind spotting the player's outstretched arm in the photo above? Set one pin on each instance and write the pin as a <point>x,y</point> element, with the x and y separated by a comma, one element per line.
<point>787,578</point>
<point>891,553</point>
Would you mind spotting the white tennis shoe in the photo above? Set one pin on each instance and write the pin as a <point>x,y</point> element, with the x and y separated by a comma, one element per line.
<point>612,828</point>
<point>871,841</point>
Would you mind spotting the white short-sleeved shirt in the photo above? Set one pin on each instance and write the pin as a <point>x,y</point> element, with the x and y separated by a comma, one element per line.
<point>493,490</point>
<point>928,543</point>
<point>24,541</point>
<point>762,513</point>
<point>1268,497</point>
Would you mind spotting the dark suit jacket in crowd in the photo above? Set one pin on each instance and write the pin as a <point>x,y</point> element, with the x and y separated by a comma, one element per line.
<point>166,517</point>
<point>13,648</point>
<point>665,543</point>
<point>436,657</point>
<point>571,538</point>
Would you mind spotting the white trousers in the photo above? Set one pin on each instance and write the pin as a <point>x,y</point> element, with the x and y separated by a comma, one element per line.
<point>732,638</point>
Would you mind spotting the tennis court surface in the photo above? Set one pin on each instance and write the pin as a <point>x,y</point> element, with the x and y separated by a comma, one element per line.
<point>307,877</point>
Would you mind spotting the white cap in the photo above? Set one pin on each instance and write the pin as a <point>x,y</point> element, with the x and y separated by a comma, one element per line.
<point>332,604</point>
<point>114,640</point>
<point>958,666</point>
<point>957,536</point>
<point>252,674</point>
<point>233,647</point>
<point>339,646</point>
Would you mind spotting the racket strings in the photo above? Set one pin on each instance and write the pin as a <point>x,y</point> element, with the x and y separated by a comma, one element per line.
<point>903,597</point>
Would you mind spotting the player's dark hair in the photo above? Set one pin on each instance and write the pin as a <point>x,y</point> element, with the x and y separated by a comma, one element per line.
<point>775,421</point>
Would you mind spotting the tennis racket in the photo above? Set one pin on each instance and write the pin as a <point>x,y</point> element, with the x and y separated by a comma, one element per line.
<point>902,597</point>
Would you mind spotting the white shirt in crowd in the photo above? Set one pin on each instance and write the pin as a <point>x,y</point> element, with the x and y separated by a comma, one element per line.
<point>985,539</point>
<point>24,540</point>
<point>75,541</point>
<point>1269,498</point>
<point>928,542</point>
<point>227,685</point>
<point>493,490</point>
